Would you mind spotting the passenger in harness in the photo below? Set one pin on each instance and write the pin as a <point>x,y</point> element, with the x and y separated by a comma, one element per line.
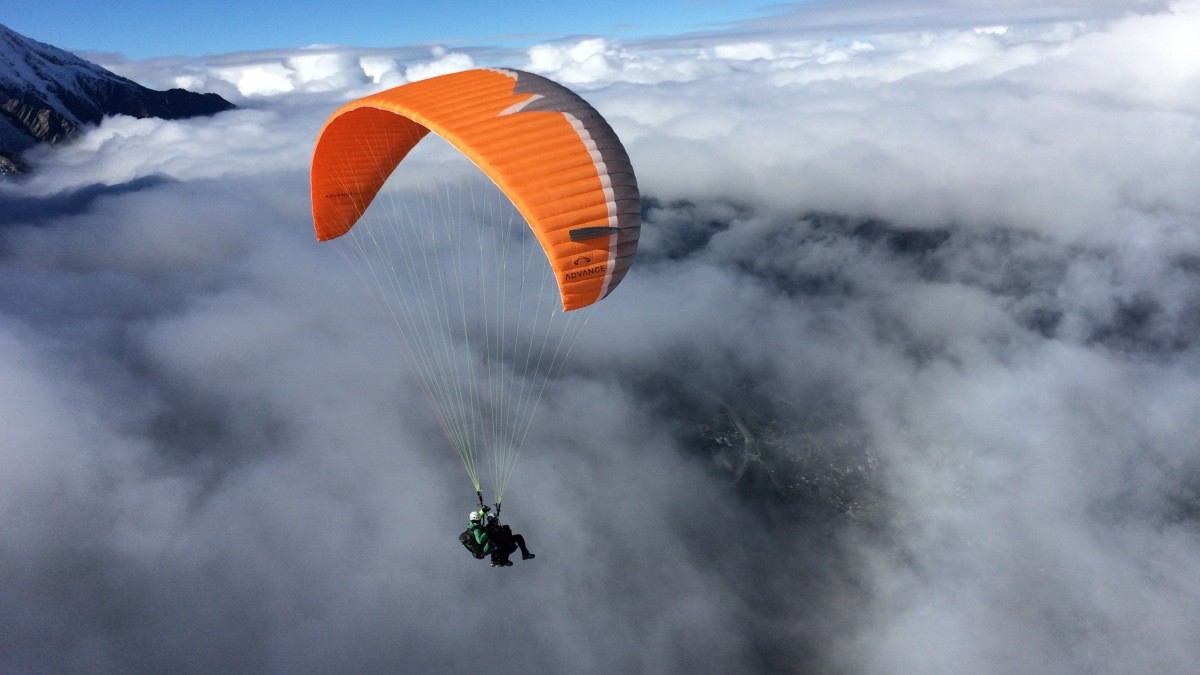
<point>504,542</point>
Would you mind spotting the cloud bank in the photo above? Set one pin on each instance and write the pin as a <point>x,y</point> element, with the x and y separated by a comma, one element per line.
<point>906,378</point>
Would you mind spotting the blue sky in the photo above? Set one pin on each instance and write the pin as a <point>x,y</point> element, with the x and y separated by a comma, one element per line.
<point>140,29</point>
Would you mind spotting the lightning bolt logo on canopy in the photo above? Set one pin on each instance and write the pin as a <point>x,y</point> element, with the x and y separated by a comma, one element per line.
<point>548,150</point>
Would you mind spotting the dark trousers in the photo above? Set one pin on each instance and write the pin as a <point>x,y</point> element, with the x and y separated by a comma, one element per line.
<point>506,548</point>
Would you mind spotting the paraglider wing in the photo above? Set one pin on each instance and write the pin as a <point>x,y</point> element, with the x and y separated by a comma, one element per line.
<point>547,149</point>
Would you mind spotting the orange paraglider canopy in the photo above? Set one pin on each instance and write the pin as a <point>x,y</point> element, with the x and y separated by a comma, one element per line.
<point>549,151</point>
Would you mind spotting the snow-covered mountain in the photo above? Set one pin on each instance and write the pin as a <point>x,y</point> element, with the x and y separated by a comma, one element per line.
<point>47,94</point>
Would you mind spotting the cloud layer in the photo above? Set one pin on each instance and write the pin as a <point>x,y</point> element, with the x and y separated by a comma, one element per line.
<point>905,380</point>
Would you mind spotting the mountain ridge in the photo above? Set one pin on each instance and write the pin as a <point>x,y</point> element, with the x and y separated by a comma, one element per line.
<point>47,95</point>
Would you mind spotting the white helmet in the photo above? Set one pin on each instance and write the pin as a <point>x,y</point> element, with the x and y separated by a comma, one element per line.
<point>475,517</point>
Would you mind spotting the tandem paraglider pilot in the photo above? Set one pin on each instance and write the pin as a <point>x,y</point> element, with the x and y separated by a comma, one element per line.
<point>486,535</point>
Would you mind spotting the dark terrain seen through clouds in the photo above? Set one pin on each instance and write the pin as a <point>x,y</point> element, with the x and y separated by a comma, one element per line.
<point>905,379</point>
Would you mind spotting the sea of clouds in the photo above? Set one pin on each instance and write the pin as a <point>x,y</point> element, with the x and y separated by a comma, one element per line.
<point>906,379</point>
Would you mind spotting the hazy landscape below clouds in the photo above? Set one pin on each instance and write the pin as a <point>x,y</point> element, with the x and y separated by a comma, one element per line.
<point>906,378</point>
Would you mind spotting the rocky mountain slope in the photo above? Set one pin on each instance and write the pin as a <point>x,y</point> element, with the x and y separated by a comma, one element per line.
<point>47,95</point>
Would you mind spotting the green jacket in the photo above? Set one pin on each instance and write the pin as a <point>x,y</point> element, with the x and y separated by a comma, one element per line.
<point>481,537</point>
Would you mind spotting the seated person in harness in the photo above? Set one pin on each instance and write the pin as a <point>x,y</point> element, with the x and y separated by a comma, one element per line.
<point>476,538</point>
<point>505,543</point>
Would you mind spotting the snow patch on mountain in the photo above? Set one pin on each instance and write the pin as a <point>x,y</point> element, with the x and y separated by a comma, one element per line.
<point>48,94</point>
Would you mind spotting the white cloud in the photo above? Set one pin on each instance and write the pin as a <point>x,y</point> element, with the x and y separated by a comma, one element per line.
<point>123,149</point>
<point>599,61</point>
<point>443,64</point>
<point>746,51</point>
<point>261,80</point>
<point>1143,60</point>
<point>381,70</point>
